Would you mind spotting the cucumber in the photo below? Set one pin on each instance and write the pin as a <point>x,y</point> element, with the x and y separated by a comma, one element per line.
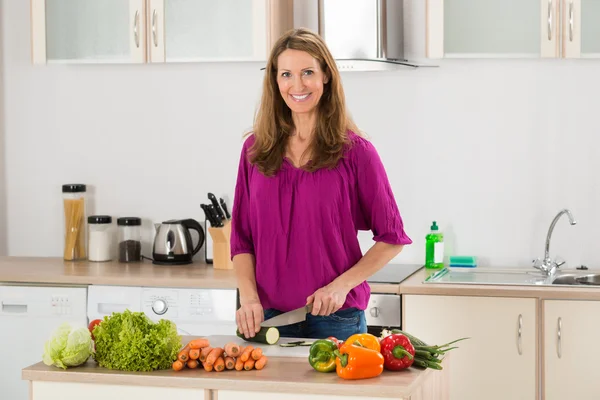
<point>265,336</point>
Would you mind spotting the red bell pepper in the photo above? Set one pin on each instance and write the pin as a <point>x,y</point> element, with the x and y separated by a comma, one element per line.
<point>398,352</point>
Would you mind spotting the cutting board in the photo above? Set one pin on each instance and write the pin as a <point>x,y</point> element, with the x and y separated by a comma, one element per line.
<point>273,350</point>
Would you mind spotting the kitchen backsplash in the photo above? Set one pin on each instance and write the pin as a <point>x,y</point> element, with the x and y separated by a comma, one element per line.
<point>490,149</point>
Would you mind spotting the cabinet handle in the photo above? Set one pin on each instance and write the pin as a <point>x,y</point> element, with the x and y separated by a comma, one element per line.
<point>136,23</point>
<point>519,337</point>
<point>559,342</point>
<point>549,19</point>
<point>571,22</point>
<point>154,28</point>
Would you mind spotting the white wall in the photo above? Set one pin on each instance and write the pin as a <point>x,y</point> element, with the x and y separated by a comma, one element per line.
<point>490,149</point>
<point>3,227</point>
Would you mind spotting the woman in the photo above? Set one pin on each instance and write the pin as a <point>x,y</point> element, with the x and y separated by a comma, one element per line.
<point>307,182</point>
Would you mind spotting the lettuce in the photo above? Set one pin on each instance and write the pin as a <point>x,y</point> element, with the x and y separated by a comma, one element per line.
<point>130,341</point>
<point>68,347</point>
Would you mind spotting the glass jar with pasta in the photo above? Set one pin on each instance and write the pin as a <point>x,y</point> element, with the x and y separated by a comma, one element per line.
<point>75,234</point>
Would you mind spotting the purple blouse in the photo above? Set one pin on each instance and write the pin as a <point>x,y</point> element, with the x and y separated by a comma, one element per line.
<point>302,226</point>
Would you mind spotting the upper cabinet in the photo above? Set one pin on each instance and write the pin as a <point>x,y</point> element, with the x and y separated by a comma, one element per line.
<point>513,28</point>
<point>88,31</point>
<point>144,31</point>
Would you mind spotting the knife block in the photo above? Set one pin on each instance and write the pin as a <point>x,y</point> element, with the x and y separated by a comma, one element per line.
<point>221,238</point>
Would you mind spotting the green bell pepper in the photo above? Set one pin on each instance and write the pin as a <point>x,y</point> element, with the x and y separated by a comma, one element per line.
<point>322,355</point>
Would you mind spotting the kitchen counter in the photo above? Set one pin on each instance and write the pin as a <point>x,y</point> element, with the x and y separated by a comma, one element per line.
<point>50,270</point>
<point>414,285</point>
<point>283,378</point>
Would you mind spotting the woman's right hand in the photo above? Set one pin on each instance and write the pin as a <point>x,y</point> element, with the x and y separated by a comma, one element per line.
<point>249,317</point>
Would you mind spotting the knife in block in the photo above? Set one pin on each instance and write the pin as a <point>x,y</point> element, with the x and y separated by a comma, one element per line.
<point>221,238</point>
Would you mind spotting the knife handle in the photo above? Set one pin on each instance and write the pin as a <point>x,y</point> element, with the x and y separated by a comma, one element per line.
<point>207,214</point>
<point>224,207</point>
<point>218,222</point>
<point>216,207</point>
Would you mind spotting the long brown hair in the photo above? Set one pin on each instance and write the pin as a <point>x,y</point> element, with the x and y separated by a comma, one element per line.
<point>273,123</point>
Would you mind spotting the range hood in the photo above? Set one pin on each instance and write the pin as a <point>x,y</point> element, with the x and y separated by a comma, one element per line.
<point>363,35</point>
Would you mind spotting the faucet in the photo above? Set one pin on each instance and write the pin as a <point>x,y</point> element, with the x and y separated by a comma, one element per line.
<point>547,265</point>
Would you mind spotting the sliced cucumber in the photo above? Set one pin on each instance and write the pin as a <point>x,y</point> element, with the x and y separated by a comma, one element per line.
<point>265,335</point>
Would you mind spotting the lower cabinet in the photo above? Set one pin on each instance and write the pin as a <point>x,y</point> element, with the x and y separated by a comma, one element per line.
<point>499,361</point>
<point>571,332</point>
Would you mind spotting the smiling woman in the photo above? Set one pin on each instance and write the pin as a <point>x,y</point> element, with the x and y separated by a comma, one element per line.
<point>307,182</point>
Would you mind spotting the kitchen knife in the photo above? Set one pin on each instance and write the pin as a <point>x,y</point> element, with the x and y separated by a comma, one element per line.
<point>211,209</point>
<point>208,214</point>
<point>288,318</point>
<point>216,206</point>
<point>224,207</point>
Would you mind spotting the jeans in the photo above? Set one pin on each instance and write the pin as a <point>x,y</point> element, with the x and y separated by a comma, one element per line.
<point>341,324</point>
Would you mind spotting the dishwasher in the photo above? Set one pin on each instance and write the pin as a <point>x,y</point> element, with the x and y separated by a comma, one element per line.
<point>28,316</point>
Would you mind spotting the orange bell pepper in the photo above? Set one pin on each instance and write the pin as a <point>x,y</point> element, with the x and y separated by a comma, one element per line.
<point>357,362</point>
<point>365,340</point>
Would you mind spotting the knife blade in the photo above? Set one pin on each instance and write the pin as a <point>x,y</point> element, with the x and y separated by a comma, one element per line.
<point>288,318</point>
<point>217,207</point>
<point>216,219</point>
<point>224,207</point>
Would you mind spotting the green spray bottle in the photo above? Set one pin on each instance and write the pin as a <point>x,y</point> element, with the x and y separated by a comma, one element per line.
<point>434,248</point>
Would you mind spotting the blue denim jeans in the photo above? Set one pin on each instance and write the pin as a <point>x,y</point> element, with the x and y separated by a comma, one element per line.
<point>341,324</point>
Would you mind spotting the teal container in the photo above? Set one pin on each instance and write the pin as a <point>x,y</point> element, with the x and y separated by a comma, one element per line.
<point>434,248</point>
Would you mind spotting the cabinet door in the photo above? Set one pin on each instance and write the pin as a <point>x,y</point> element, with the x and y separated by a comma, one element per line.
<point>88,31</point>
<point>208,30</point>
<point>581,33</point>
<point>492,28</point>
<point>571,331</point>
<point>499,359</point>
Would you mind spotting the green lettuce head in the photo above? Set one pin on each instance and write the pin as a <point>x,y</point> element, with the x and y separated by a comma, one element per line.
<point>68,347</point>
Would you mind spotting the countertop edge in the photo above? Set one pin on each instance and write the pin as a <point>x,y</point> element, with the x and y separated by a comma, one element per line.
<point>252,381</point>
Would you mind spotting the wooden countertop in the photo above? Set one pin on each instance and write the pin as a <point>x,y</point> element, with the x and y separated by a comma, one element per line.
<point>282,375</point>
<point>50,270</point>
<point>414,285</point>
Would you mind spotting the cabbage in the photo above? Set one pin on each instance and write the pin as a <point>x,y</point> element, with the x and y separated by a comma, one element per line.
<point>130,341</point>
<point>68,347</point>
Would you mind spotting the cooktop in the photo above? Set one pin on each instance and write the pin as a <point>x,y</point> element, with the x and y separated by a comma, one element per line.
<point>394,273</point>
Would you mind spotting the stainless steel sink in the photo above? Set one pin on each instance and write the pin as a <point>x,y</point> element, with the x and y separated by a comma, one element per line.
<point>589,279</point>
<point>584,279</point>
<point>513,277</point>
<point>566,279</point>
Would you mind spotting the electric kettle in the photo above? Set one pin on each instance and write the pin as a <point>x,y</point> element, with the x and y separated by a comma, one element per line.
<point>173,242</point>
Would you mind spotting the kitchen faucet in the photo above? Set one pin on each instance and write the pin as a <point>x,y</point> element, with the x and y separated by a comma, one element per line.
<point>547,265</point>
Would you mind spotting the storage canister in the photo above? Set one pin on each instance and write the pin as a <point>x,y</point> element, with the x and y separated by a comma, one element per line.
<point>74,205</point>
<point>130,239</point>
<point>100,238</point>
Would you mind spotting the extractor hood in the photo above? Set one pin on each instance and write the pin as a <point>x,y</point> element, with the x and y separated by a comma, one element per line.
<point>363,35</point>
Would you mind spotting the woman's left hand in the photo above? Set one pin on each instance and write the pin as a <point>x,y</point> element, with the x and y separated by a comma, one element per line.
<point>327,300</point>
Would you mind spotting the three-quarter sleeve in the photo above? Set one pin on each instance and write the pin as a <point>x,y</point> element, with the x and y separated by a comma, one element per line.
<point>241,232</point>
<point>377,209</point>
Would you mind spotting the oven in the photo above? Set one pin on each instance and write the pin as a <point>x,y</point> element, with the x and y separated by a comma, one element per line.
<point>384,311</point>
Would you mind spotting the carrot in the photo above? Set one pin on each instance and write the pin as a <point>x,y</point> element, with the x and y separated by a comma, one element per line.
<point>248,365</point>
<point>194,354</point>
<point>232,349</point>
<point>246,353</point>
<point>204,353</point>
<point>239,364</point>
<point>219,364</point>
<point>199,343</point>
<point>229,362</point>
<point>208,367</point>
<point>213,355</point>
<point>184,354</point>
<point>177,365</point>
<point>256,354</point>
<point>192,364</point>
<point>260,364</point>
